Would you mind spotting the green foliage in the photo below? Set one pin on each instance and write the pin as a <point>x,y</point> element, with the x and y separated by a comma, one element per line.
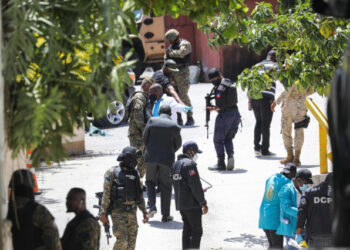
<point>309,46</point>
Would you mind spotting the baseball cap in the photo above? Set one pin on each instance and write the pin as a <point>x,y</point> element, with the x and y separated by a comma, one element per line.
<point>171,34</point>
<point>131,152</point>
<point>171,65</point>
<point>288,168</point>
<point>191,145</point>
<point>306,175</point>
<point>213,72</point>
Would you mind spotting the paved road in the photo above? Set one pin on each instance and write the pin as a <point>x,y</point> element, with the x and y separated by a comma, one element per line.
<point>234,200</point>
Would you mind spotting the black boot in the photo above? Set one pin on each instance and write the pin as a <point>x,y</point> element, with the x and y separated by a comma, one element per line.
<point>179,119</point>
<point>221,165</point>
<point>190,121</point>
<point>230,163</point>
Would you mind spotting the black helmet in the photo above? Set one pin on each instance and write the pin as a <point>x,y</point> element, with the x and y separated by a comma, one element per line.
<point>22,178</point>
<point>129,156</point>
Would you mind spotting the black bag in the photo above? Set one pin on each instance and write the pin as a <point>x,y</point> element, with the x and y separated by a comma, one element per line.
<point>302,124</point>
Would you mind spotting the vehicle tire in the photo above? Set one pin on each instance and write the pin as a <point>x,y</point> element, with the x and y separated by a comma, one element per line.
<point>115,116</point>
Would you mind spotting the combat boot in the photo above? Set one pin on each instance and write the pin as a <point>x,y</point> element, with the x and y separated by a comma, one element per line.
<point>297,158</point>
<point>290,157</point>
<point>230,163</point>
<point>179,119</point>
<point>190,121</point>
<point>221,165</point>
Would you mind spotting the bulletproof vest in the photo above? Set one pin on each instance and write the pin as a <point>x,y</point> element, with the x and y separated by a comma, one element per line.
<point>147,113</point>
<point>125,187</point>
<point>226,95</point>
<point>268,65</point>
<point>179,61</point>
<point>69,240</point>
<point>27,236</point>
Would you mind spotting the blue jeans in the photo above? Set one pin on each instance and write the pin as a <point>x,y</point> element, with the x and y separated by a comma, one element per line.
<point>289,245</point>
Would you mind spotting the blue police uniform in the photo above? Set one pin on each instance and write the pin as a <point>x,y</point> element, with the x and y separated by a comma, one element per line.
<point>227,120</point>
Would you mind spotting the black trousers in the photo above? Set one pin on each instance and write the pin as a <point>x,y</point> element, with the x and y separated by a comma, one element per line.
<point>275,240</point>
<point>263,117</point>
<point>154,170</point>
<point>192,229</point>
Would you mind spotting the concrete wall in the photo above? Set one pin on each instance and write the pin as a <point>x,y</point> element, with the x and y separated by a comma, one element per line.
<point>75,145</point>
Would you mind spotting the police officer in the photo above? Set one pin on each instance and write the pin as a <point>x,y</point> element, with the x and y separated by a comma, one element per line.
<point>315,213</point>
<point>83,231</point>
<point>180,51</point>
<point>262,109</point>
<point>293,111</point>
<point>227,120</point>
<point>189,195</point>
<point>33,226</point>
<point>139,113</point>
<point>122,194</point>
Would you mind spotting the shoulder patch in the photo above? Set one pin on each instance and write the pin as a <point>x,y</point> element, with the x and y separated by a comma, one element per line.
<point>191,172</point>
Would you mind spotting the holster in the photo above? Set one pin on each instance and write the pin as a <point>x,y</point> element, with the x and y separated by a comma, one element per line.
<point>302,124</point>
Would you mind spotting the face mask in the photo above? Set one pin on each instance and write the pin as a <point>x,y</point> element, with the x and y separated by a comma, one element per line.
<point>304,187</point>
<point>195,158</point>
<point>216,82</point>
<point>129,163</point>
<point>152,98</point>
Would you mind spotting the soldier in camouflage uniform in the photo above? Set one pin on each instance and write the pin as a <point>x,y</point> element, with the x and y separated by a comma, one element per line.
<point>138,119</point>
<point>122,194</point>
<point>293,111</point>
<point>33,226</point>
<point>180,51</point>
<point>83,231</point>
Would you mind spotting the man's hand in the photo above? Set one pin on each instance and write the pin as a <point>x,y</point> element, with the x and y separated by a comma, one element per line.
<point>273,105</point>
<point>145,218</point>
<point>104,219</point>
<point>204,209</point>
<point>213,108</point>
<point>250,106</point>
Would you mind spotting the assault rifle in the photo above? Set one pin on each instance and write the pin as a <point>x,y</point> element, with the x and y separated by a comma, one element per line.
<point>99,207</point>
<point>208,98</point>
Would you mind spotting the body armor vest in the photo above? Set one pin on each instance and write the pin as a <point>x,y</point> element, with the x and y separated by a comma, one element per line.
<point>180,61</point>
<point>27,236</point>
<point>226,95</point>
<point>125,187</point>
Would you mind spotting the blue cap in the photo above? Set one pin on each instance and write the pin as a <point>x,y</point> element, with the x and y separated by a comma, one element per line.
<point>191,145</point>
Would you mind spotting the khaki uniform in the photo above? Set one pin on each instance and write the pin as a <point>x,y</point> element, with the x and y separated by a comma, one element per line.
<point>293,110</point>
<point>42,219</point>
<point>124,218</point>
<point>182,78</point>
<point>137,125</point>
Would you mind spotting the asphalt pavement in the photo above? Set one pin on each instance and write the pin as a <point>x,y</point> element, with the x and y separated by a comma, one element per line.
<point>233,201</point>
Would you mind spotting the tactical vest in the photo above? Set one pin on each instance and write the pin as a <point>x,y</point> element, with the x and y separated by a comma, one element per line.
<point>180,61</point>
<point>147,111</point>
<point>69,240</point>
<point>125,187</point>
<point>27,236</point>
<point>268,65</point>
<point>227,99</point>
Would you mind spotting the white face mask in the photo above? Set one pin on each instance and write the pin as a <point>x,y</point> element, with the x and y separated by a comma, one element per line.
<point>195,158</point>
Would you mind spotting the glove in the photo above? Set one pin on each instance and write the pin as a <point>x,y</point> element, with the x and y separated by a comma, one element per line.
<point>186,108</point>
<point>299,238</point>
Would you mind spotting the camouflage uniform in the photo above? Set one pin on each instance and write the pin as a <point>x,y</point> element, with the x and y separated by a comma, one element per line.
<point>137,125</point>
<point>124,220</point>
<point>42,219</point>
<point>293,110</point>
<point>182,78</point>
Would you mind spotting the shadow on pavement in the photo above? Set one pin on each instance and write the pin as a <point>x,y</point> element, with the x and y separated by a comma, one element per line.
<point>46,201</point>
<point>193,126</point>
<point>309,166</point>
<point>234,171</point>
<point>172,225</point>
<point>249,240</point>
<point>274,158</point>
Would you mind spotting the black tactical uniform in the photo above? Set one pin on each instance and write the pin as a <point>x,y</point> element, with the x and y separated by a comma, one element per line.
<point>227,120</point>
<point>189,199</point>
<point>315,211</point>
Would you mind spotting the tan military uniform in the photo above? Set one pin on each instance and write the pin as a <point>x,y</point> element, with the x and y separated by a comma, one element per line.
<point>293,110</point>
<point>182,78</point>
<point>43,219</point>
<point>124,218</point>
<point>137,125</point>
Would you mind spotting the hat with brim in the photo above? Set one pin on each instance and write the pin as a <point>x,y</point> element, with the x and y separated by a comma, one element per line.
<point>191,145</point>
<point>288,168</point>
<point>171,35</point>
<point>306,175</point>
<point>171,65</point>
